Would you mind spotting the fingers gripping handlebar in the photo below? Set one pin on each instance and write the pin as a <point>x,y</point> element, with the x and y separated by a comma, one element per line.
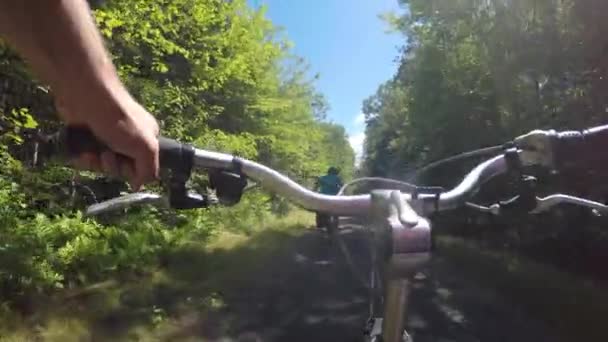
<point>72,141</point>
<point>567,150</point>
<point>176,160</point>
<point>569,153</point>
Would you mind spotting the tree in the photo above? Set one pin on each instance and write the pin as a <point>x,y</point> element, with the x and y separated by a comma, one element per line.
<point>476,73</point>
<point>216,74</point>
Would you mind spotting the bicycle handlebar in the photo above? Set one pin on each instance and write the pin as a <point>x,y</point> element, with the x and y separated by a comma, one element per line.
<point>276,182</point>
<point>72,141</point>
<point>535,148</point>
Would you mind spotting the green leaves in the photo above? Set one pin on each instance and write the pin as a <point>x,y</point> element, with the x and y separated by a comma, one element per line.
<point>216,74</point>
<point>476,73</point>
<point>14,123</point>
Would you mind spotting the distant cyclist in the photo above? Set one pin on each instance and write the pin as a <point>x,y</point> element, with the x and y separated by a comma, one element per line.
<point>328,184</point>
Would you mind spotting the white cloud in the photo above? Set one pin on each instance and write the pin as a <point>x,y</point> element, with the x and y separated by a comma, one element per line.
<point>356,141</point>
<point>360,118</point>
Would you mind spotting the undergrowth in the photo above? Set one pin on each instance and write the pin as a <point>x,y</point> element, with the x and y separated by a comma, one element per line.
<point>185,280</point>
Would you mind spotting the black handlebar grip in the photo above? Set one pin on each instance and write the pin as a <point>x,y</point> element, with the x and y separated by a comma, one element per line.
<point>586,149</point>
<point>73,141</point>
<point>76,140</point>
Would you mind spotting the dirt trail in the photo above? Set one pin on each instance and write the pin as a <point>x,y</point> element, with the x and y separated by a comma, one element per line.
<point>309,294</point>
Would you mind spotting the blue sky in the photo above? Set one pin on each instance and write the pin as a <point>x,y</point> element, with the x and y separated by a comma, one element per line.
<point>344,41</point>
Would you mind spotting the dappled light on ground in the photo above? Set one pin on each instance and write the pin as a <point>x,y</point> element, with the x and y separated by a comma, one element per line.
<point>288,285</point>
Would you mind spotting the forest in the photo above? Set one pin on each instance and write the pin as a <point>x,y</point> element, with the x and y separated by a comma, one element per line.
<point>217,74</point>
<point>220,75</point>
<point>478,73</point>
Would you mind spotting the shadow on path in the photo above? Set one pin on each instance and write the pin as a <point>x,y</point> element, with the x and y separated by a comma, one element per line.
<point>305,292</point>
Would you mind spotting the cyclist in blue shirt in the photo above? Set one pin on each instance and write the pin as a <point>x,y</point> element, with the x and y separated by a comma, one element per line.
<point>328,184</point>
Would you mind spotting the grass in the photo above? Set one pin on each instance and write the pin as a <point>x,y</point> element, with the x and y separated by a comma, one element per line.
<point>159,306</point>
<point>571,305</point>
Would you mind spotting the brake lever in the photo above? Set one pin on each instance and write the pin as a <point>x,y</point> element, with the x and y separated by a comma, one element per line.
<point>511,206</point>
<point>493,209</point>
<point>126,201</point>
<point>546,203</point>
<point>229,188</point>
<point>144,198</point>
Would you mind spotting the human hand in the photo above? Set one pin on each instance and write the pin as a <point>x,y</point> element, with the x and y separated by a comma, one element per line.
<point>125,127</point>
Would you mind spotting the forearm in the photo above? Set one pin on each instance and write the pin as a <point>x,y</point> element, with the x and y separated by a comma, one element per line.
<point>59,40</point>
<point>63,46</point>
